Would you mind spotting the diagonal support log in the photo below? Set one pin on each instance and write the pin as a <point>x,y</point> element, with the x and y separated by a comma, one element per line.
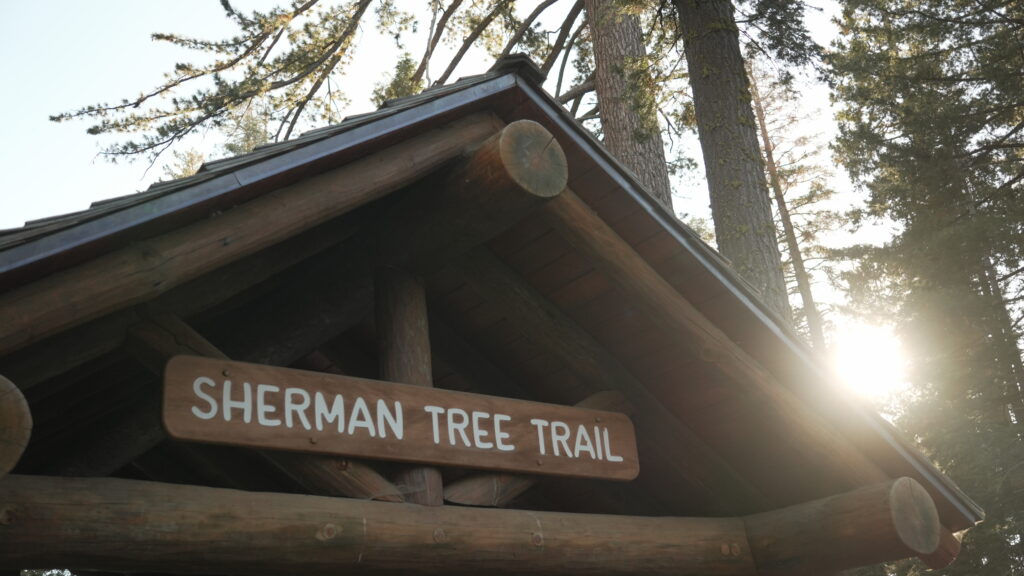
<point>498,490</point>
<point>162,336</point>
<point>613,256</point>
<point>149,268</point>
<point>122,525</point>
<point>536,317</point>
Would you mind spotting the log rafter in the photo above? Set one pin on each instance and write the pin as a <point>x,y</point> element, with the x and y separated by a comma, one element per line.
<point>93,523</point>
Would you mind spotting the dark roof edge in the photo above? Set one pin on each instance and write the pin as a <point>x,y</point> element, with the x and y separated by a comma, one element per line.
<point>37,251</point>
<point>970,510</point>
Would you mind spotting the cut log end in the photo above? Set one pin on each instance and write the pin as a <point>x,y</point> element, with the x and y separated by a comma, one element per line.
<point>533,158</point>
<point>15,425</point>
<point>914,516</point>
<point>945,554</point>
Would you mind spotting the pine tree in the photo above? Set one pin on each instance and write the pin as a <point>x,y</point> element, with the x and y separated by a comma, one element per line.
<point>933,129</point>
<point>286,58</point>
<point>799,183</point>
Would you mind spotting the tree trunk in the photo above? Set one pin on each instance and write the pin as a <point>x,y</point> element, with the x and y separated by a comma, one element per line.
<point>732,159</point>
<point>631,131</point>
<point>803,280</point>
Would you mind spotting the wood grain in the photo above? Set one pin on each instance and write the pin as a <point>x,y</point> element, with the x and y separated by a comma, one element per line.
<point>133,526</point>
<point>474,445</point>
<point>154,266</point>
<point>160,336</point>
<point>15,425</point>
<point>883,522</point>
<point>609,253</point>
<point>403,343</point>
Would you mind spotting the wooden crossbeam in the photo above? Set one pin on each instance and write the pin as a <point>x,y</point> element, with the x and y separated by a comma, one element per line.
<point>149,268</point>
<point>613,256</point>
<point>162,336</point>
<point>535,317</point>
<point>498,490</point>
<point>122,525</point>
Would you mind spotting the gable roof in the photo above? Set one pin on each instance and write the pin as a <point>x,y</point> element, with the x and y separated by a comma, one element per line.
<point>511,91</point>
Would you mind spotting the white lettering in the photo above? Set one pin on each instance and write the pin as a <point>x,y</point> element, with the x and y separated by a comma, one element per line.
<point>541,425</point>
<point>459,426</point>
<point>323,414</point>
<point>245,403</point>
<point>393,419</point>
<point>263,408</point>
<point>360,418</point>
<point>560,437</point>
<point>197,388</point>
<point>479,433</point>
<point>581,435</point>
<point>434,411</point>
<point>597,440</point>
<point>608,449</point>
<point>291,407</point>
<point>499,436</point>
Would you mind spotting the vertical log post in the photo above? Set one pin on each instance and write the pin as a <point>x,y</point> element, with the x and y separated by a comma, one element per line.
<point>404,341</point>
<point>15,425</point>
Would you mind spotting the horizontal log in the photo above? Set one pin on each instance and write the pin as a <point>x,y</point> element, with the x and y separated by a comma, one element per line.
<point>498,490</point>
<point>613,256</point>
<point>123,525</point>
<point>879,523</point>
<point>154,266</point>
<point>15,425</point>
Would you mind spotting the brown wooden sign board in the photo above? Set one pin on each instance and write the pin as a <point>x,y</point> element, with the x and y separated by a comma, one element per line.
<point>220,401</point>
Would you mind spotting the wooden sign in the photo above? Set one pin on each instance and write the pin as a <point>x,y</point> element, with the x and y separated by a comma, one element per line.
<point>220,401</point>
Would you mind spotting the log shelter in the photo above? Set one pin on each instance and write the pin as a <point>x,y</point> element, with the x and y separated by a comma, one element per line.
<point>470,238</point>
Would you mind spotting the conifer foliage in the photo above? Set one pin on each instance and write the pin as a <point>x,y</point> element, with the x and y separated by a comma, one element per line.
<point>933,128</point>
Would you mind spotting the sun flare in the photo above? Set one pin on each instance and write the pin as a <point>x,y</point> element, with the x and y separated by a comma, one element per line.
<point>869,360</point>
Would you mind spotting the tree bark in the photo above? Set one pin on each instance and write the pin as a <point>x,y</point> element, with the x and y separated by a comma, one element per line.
<point>128,525</point>
<point>732,160</point>
<point>803,280</point>
<point>631,131</point>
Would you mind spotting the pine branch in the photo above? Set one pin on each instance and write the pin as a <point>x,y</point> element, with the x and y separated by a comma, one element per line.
<point>477,31</point>
<point>563,32</point>
<point>518,34</point>
<point>432,44</point>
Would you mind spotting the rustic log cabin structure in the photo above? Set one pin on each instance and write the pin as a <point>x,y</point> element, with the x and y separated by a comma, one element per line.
<point>471,239</point>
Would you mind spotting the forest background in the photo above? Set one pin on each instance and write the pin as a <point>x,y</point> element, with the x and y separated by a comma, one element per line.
<point>903,212</point>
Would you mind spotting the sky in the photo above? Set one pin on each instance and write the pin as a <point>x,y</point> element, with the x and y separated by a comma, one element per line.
<point>64,54</point>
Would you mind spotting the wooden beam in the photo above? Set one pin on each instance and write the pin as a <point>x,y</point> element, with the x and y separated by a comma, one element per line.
<point>535,317</point>
<point>94,524</point>
<point>879,523</point>
<point>151,267</point>
<point>162,336</point>
<point>498,490</point>
<point>508,176</point>
<point>15,425</point>
<point>403,337</point>
<point>63,352</point>
<point>614,257</point>
<point>946,553</point>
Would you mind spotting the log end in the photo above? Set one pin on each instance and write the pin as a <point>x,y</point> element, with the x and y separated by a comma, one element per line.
<point>15,425</point>
<point>915,516</point>
<point>533,159</point>
<point>945,554</point>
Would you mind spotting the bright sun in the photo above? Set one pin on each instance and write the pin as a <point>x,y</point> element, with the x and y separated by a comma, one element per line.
<point>869,360</point>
